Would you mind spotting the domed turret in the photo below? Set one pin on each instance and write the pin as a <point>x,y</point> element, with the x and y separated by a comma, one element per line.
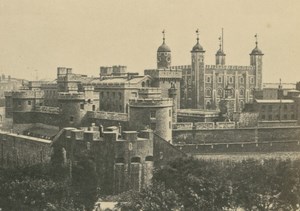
<point>164,48</point>
<point>256,50</point>
<point>163,55</point>
<point>198,47</point>
<point>220,55</point>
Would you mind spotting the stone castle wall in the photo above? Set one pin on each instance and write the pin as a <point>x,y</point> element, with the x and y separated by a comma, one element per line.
<point>20,150</point>
<point>236,135</point>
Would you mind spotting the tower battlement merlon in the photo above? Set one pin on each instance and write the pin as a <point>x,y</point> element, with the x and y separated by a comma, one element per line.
<point>71,96</point>
<point>27,94</point>
<point>228,67</point>
<point>164,73</point>
<point>159,102</point>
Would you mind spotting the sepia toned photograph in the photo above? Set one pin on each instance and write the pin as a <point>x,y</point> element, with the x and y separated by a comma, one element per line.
<point>154,105</point>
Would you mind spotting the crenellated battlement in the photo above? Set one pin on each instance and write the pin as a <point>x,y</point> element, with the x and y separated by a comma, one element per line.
<point>164,73</point>
<point>108,115</point>
<point>154,102</point>
<point>228,67</point>
<point>71,96</point>
<point>27,94</point>
<point>181,67</point>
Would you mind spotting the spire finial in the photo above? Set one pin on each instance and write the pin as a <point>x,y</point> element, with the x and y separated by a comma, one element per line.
<point>164,38</point>
<point>197,33</point>
<point>256,39</point>
<point>220,43</point>
<point>280,85</point>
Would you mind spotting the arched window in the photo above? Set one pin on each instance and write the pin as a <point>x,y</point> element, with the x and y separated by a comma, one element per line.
<point>242,92</point>
<point>231,80</point>
<point>242,80</point>
<point>143,84</point>
<point>208,93</point>
<point>208,105</point>
<point>220,79</point>
<point>208,79</point>
<point>220,92</point>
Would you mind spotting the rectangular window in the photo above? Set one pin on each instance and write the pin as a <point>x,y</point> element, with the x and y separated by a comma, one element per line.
<point>270,117</point>
<point>19,103</point>
<point>71,119</point>
<point>263,117</point>
<point>152,114</point>
<point>263,107</point>
<point>170,125</point>
<point>293,116</point>
<point>29,102</point>
<point>170,113</point>
<point>285,116</point>
<point>81,106</point>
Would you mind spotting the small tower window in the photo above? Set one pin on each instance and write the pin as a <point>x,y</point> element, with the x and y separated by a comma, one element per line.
<point>219,79</point>
<point>82,106</point>
<point>208,80</point>
<point>93,107</point>
<point>242,80</point>
<point>220,92</point>
<point>252,80</point>
<point>170,113</point>
<point>231,80</point>
<point>242,92</point>
<point>71,119</point>
<point>208,92</point>
<point>152,114</point>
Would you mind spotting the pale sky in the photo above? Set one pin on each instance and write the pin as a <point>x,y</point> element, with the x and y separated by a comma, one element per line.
<point>84,35</point>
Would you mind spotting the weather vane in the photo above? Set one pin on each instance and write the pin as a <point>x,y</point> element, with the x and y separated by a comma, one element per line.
<point>163,32</point>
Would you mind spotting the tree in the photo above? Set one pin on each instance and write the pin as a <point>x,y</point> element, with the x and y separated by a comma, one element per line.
<point>153,198</point>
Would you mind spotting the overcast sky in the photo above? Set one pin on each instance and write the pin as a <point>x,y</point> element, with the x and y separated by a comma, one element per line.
<point>42,35</point>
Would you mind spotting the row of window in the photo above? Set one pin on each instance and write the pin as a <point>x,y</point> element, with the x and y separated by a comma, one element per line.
<point>208,92</point>
<point>93,107</point>
<point>230,79</point>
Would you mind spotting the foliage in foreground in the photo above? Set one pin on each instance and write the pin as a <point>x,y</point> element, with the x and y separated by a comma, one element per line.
<point>215,185</point>
<point>49,187</point>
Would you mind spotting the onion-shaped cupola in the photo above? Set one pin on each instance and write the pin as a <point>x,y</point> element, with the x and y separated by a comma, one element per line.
<point>163,54</point>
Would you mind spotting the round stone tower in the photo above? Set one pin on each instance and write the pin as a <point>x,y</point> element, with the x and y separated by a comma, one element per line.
<point>155,113</point>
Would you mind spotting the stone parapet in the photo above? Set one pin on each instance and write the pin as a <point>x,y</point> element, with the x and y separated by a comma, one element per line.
<point>27,94</point>
<point>229,67</point>
<point>71,96</point>
<point>164,73</point>
<point>108,115</point>
<point>154,102</point>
